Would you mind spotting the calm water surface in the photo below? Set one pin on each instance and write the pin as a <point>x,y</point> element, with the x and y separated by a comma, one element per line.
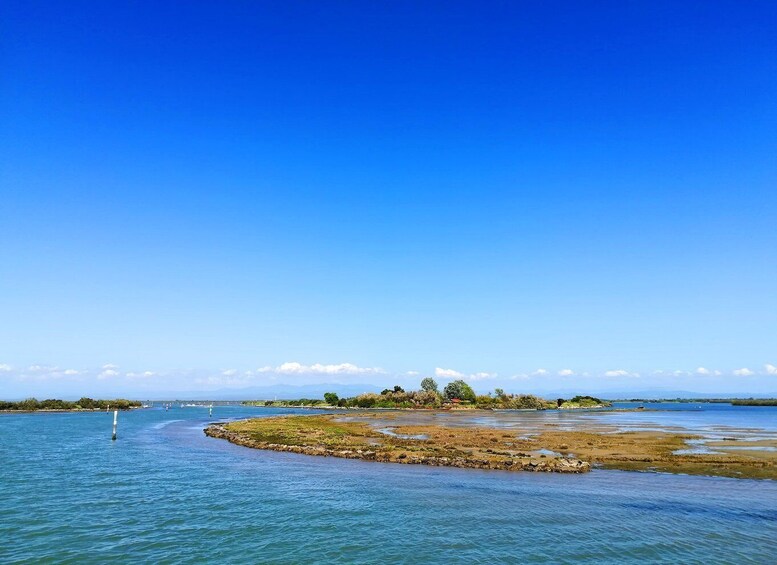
<point>165,493</point>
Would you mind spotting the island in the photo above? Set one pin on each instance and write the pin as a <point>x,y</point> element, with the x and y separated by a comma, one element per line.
<point>84,404</point>
<point>453,439</point>
<point>444,428</point>
<point>403,437</point>
<point>457,395</point>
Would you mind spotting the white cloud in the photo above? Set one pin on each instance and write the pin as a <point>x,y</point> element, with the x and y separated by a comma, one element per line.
<point>4,368</point>
<point>743,372</point>
<point>520,377</point>
<point>221,380</point>
<point>107,373</point>
<point>703,371</point>
<point>770,369</point>
<point>566,372</point>
<point>109,367</point>
<point>265,369</point>
<point>229,372</point>
<point>412,373</point>
<point>453,374</point>
<point>41,368</point>
<point>138,375</point>
<point>482,376</point>
<point>540,372</point>
<point>294,368</point>
<point>448,373</point>
<point>70,372</point>
<point>619,373</point>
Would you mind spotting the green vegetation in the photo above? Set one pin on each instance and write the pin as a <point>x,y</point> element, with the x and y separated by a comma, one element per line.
<point>502,401</point>
<point>582,402</point>
<point>85,403</point>
<point>302,402</point>
<point>331,398</point>
<point>459,391</point>
<point>456,394</point>
<point>754,402</point>
<point>429,385</point>
<point>733,401</point>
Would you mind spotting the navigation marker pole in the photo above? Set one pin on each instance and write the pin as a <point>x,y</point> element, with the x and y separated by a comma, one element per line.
<point>210,411</point>
<point>115,421</point>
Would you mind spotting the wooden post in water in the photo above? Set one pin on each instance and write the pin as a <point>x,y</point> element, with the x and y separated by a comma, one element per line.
<point>115,421</point>
<point>210,411</point>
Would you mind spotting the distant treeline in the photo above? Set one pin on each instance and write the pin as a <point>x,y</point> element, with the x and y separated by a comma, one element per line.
<point>754,402</point>
<point>734,401</point>
<point>457,393</point>
<point>85,403</point>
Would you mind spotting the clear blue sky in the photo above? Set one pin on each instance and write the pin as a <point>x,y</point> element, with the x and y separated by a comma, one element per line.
<point>472,187</point>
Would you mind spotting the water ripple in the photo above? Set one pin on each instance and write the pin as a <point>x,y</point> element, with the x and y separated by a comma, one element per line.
<point>166,493</point>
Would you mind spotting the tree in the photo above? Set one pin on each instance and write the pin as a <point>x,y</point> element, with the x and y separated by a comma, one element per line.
<point>331,398</point>
<point>459,389</point>
<point>398,388</point>
<point>499,392</point>
<point>429,385</point>
<point>86,403</point>
<point>29,404</point>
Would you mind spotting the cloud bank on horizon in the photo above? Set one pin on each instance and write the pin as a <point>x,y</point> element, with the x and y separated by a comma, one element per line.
<point>40,379</point>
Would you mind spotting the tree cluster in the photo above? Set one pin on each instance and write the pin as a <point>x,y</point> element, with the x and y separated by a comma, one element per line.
<point>85,403</point>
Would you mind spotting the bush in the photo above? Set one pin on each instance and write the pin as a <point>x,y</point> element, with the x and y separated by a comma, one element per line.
<point>485,401</point>
<point>528,401</point>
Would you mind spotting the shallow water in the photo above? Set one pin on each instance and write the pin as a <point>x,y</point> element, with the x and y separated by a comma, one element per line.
<point>163,492</point>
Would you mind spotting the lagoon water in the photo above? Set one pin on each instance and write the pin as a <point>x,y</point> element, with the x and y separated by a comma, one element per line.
<point>166,493</point>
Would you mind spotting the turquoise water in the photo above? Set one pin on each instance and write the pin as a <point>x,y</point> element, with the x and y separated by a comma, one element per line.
<point>165,493</point>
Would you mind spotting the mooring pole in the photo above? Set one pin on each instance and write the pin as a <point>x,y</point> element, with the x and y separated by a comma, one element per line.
<point>210,411</point>
<point>115,421</point>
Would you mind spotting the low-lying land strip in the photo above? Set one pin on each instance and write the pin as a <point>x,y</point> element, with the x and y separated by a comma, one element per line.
<point>57,405</point>
<point>397,438</point>
<point>733,401</point>
<point>754,402</point>
<point>337,437</point>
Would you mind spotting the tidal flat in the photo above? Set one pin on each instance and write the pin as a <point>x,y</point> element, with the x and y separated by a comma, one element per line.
<point>478,441</point>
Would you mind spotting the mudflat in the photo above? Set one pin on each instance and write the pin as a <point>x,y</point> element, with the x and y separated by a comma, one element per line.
<point>404,437</point>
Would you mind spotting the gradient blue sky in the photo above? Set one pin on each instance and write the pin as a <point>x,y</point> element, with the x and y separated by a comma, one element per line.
<point>197,191</point>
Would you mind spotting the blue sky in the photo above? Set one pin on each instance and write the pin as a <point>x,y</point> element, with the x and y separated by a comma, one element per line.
<point>532,195</point>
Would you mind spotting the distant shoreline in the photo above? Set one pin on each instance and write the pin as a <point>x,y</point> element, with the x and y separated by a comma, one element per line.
<point>67,410</point>
<point>84,404</point>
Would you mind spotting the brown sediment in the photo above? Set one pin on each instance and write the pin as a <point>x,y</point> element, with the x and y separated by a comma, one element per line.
<point>322,435</point>
<point>396,438</point>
